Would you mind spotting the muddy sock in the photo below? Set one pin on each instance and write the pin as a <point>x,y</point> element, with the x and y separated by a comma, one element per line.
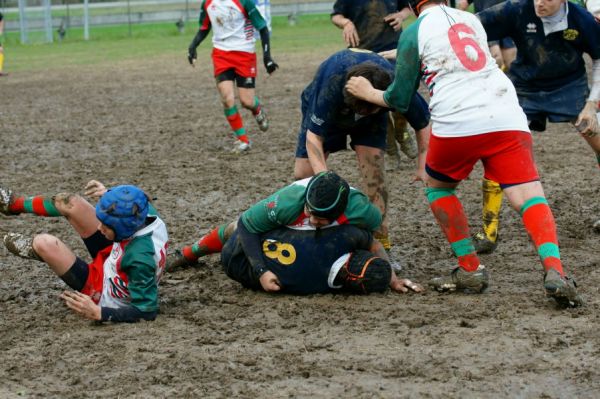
<point>38,205</point>
<point>539,223</point>
<point>209,244</point>
<point>450,215</point>
<point>257,107</point>
<point>1,61</point>
<point>237,124</point>
<point>492,202</point>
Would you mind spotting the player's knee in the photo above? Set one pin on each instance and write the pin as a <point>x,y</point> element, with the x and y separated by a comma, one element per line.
<point>228,101</point>
<point>68,203</point>
<point>44,244</point>
<point>247,103</point>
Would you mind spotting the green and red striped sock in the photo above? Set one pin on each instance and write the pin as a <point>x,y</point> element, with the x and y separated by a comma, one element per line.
<point>257,107</point>
<point>237,124</point>
<point>209,244</point>
<point>539,223</point>
<point>38,205</point>
<point>450,215</point>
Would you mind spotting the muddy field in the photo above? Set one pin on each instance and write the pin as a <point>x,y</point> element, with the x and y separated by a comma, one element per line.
<point>160,125</point>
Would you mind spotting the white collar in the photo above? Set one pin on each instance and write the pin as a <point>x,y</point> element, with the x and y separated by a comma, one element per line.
<point>557,22</point>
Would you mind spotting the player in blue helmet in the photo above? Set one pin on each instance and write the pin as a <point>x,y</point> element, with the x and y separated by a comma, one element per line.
<point>125,237</point>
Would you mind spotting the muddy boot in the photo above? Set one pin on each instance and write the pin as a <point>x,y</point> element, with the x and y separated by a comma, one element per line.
<point>19,245</point>
<point>562,289</point>
<point>240,147</point>
<point>176,260</point>
<point>262,120</point>
<point>408,144</point>
<point>484,245</point>
<point>6,196</point>
<point>462,280</point>
<point>596,226</point>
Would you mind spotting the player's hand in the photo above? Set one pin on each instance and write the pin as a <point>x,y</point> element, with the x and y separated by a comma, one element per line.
<point>395,20</point>
<point>82,305</point>
<point>350,34</point>
<point>421,174</point>
<point>95,189</point>
<point>587,121</point>
<point>270,65</point>
<point>192,55</point>
<point>270,282</point>
<point>404,285</point>
<point>388,54</point>
<point>358,86</point>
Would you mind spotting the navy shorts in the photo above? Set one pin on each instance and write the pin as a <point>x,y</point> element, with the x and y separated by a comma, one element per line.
<point>561,105</point>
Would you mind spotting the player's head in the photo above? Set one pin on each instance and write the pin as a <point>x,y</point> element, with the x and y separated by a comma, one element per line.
<point>363,273</point>
<point>593,7</point>
<point>326,197</point>
<point>123,209</point>
<point>547,8</point>
<point>379,78</point>
<point>416,5</point>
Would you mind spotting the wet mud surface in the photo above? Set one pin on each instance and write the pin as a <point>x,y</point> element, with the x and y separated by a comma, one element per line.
<point>159,124</point>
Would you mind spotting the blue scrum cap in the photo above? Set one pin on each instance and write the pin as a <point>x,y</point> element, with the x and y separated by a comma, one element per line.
<point>123,209</point>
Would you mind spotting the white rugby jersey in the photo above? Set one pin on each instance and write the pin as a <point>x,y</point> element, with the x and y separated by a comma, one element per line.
<point>447,49</point>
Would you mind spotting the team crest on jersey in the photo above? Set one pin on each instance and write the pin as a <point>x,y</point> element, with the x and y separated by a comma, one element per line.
<point>531,28</point>
<point>116,252</point>
<point>570,34</point>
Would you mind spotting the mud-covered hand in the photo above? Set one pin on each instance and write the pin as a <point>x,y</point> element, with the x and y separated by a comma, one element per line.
<point>395,20</point>
<point>358,86</point>
<point>587,121</point>
<point>404,285</point>
<point>95,189</point>
<point>350,34</point>
<point>270,282</point>
<point>82,305</point>
<point>270,65</point>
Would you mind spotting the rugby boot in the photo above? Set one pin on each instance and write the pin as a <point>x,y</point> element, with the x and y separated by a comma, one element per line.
<point>240,147</point>
<point>176,260</point>
<point>408,144</point>
<point>484,245</point>
<point>462,280</point>
<point>20,245</point>
<point>596,226</point>
<point>262,120</point>
<point>562,289</point>
<point>5,198</point>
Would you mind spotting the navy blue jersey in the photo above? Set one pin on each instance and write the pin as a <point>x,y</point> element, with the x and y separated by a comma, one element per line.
<point>543,62</point>
<point>301,259</point>
<point>367,16</point>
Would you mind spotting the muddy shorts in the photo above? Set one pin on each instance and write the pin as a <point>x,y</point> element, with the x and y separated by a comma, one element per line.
<point>235,65</point>
<point>507,157</point>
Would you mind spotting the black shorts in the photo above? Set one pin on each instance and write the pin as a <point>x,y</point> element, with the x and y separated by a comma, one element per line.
<point>240,81</point>
<point>235,264</point>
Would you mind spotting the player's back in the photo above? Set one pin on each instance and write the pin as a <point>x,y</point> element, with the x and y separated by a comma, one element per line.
<point>470,94</point>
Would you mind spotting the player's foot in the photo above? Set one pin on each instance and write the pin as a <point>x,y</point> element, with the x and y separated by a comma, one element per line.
<point>596,226</point>
<point>176,260</point>
<point>562,289</point>
<point>462,280</point>
<point>262,120</point>
<point>6,196</point>
<point>240,147</point>
<point>408,144</point>
<point>484,245</point>
<point>20,245</point>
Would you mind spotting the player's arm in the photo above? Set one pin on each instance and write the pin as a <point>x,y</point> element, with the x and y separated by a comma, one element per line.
<point>498,20</point>
<point>251,244</point>
<point>399,285</point>
<point>204,22</point>
<point>316,153</point>
<point>261,25</point>
<point>396,19</point>
<point>349,32</point>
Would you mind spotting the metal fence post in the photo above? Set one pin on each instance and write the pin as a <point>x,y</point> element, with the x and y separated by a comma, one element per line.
<point>48,21</point>
<point>23,22</point>
<point>86,20</point>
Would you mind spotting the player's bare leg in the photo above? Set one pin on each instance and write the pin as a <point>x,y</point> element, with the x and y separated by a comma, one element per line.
<point>226,90</point>
<point>251,102</point>
<point>372,171</point>
<point>529,200</point>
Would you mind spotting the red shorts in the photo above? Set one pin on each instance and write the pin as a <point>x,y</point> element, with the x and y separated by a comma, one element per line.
<point>95,281</point>
<point>507,157</point>
<point>242,62</point>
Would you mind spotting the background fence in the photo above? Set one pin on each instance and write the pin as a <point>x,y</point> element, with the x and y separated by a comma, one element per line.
<point>47,20</point>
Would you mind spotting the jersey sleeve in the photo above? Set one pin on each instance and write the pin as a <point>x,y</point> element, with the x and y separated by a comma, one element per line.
<point>279,209</point>
<point>325,99</point>
<point>139,266</point>
<point>360,238</point>
<point>340,7</point>
<point>406,79</point>
<point>497,20</point>
<point>592,36</point>
<point>361,212</point>
<point>203,19</point>
<point>254,14</point>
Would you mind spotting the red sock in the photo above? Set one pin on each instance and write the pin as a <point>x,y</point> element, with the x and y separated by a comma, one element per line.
<point>38,205</point>
<point>539,223</point>
<point>237,124</point>
<point>450,215</point>
<point>209,244</point>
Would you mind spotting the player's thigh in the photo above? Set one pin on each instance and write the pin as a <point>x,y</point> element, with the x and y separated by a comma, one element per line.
<point>78,212</point>
<point>370,161</point>
<point>54,252</point>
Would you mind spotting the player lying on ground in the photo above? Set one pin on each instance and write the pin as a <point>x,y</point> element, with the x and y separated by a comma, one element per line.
<point>550,77</point>
<point>330,114</point>
<point>307,208</point>
<point>234,58</point>
<point>447,49</point>
<point>123,234</point>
